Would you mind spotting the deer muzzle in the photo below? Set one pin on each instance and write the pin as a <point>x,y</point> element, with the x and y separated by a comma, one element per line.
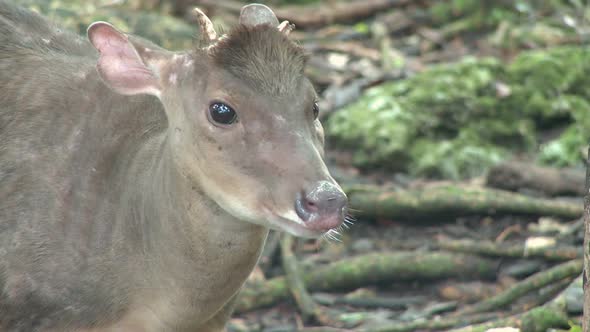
<point>323,207</point>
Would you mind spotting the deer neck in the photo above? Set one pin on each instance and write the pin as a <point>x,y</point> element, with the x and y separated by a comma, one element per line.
<point>176,216</point>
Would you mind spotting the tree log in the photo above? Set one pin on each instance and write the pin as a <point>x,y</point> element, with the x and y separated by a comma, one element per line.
<point>536,281</point>
<point>550,315</point>
<point>294,276</point>
<point>488,248</point>
<point>551,181</point>
<point>452,201</point>
<point>538,319</point>
<point>433,324</point>
<point>370,269</point>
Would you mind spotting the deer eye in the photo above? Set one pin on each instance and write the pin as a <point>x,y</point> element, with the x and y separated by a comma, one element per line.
<point>222,114</point>
<point>316,110</point>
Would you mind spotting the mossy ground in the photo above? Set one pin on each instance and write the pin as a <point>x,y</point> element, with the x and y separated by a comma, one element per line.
<point>455,120</point>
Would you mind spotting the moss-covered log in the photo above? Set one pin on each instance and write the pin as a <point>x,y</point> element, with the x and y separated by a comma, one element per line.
<point>446,201</point>
<point>294,276</point>
<point>538,319</point>
<point>548,180</point>
<point>488,248</point>
<point>536,281</point>
<point>550,315</point>
<point>432,325</point>
<point>372,269</point>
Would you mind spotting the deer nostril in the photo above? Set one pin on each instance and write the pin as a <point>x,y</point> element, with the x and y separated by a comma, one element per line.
<point>302,208</point>
<point>311,206</point>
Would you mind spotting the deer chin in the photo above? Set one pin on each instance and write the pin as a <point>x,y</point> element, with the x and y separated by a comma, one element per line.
<point>291,223</point>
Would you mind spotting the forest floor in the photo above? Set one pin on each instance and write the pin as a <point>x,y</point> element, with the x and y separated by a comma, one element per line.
<point>470,253</point>
<point>444,270</point>
<point>463,220</point>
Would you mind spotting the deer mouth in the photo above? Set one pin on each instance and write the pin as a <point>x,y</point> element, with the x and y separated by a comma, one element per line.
<point>312,228</point>
<point>324,223</point>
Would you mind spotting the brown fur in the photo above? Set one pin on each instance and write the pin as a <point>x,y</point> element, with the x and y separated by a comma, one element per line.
<point>261,56</point>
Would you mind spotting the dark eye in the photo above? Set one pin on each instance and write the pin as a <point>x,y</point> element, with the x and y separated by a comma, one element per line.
<point>222,114</point>
<point>316,110</point>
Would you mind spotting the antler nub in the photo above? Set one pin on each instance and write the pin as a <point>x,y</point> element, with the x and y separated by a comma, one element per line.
<point>207,31</point>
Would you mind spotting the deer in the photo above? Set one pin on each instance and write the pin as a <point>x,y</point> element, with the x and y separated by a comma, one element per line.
<point>138,184</point>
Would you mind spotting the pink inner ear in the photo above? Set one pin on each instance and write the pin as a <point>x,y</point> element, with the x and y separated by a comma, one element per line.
<point>119,64</point>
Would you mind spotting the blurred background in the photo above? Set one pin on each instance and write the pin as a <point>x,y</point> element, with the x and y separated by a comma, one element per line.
<point>458,128</point>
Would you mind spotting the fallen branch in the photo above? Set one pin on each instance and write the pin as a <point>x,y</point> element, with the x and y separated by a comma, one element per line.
<point>307,306</point>
<point>550,292</point>
<point>488,248</point>
<point>337,96</point>
<point>451,201</point>
<point>395,303</point>
<point>561,299</point>
<point>539,319</point>
<point>369,269</point>
<point>433,325</point>
<point>536,281</point>
<point>551,181</point>
<point>356,49</point>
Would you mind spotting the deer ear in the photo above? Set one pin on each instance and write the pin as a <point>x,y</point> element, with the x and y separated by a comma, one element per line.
<point>120,64</point>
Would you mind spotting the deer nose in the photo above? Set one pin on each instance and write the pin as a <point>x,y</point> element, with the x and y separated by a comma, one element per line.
<point>323,207</point>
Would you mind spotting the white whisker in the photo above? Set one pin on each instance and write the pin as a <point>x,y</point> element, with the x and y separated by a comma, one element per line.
<point>335,238</point>
<point>334,235</point>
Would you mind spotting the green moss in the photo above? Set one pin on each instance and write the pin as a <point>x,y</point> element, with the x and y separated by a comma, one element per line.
<point>510,21</point>
<point>452,159</point>
<point>567,150</point>
<point>548,81</point>
<point>473,14</point>
<point>542,318</point>
<point>455,120</point>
